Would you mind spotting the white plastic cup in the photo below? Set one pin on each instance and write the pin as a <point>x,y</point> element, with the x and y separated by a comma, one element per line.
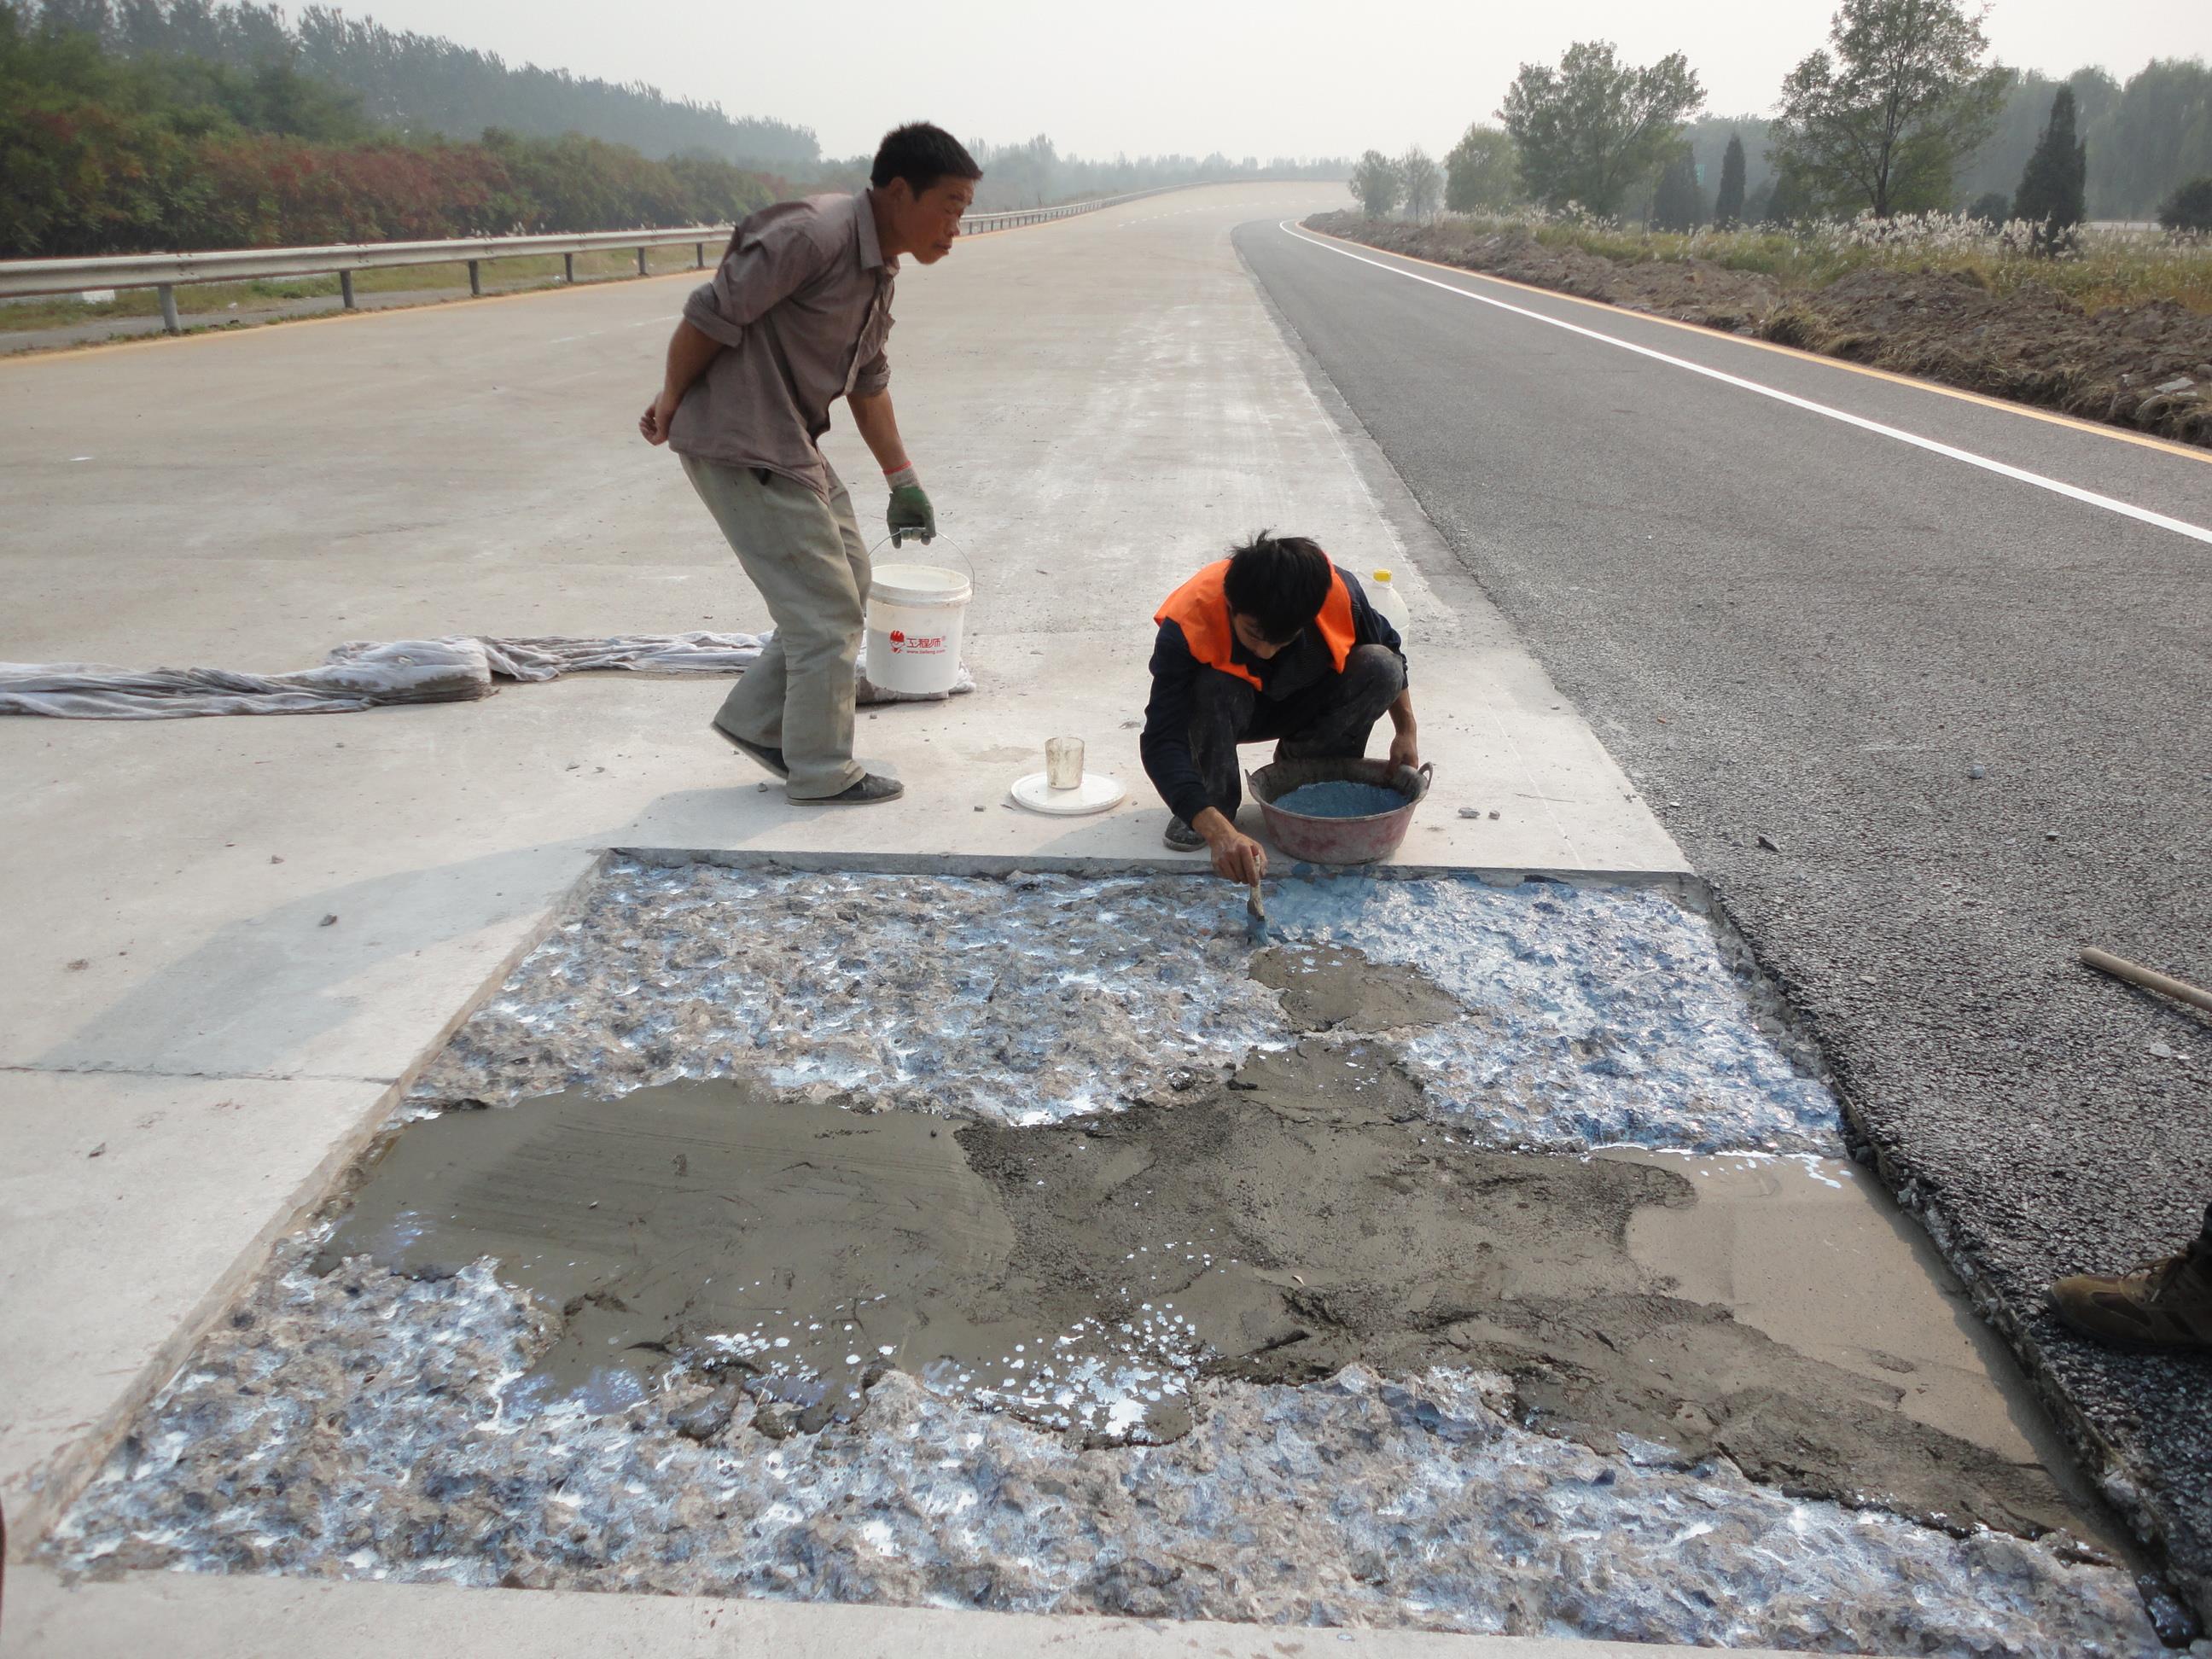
<point>1063,762</point>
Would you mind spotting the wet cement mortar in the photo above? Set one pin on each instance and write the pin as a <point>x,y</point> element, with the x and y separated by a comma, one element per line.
<point>1297,1336</point>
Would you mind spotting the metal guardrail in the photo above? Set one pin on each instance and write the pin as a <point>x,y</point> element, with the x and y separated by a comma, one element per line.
<point>167,271</point>
<point>23,278</point>
<point>981,222</point>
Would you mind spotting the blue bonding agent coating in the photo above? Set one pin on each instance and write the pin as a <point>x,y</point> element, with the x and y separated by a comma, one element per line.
<point>1340,799</point>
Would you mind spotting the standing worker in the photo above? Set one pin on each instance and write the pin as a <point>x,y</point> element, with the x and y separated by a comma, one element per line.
<point>795,318</point>
<point>1274,642</point>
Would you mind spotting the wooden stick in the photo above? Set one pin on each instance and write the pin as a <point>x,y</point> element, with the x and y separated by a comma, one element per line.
<point>2135,973</point>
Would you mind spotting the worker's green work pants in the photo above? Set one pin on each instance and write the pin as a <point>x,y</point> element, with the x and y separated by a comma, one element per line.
<point>805,556</point>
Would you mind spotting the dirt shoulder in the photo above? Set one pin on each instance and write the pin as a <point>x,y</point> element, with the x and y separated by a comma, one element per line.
<point>2146,367</point>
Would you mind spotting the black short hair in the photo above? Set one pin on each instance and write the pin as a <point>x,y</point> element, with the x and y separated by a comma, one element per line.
<point>921,154</point>
<point>1280,581</point>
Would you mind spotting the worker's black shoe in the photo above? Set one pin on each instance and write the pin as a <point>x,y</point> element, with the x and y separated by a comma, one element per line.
<point>871,788</point>
<point>767,754</point>
<point>1181,838</point>
<point>2165,1304</point>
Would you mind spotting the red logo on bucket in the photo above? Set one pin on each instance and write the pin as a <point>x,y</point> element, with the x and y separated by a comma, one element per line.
<point>897,639</point>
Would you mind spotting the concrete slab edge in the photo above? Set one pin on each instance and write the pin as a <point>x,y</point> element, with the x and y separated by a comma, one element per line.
<point>1393,496</point>
<point>2105,1462</point>
<point>1690,887</point>
<point>67,1473</point>
<point>189,1615</point>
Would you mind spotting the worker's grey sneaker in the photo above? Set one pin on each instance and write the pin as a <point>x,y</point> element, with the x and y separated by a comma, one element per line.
<point>767,754</point>
<point>2165,1305</point>
<point>1181,838</point>
<point>871,788</point>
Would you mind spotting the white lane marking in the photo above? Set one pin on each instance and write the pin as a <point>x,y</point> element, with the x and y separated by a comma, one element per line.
<point>2072,492</point>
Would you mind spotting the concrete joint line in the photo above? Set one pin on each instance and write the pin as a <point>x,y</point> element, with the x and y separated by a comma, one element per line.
<point>36,1069</point>
<point>1684,884</point>
<point>1375,473</point>
<point>2002,469</point>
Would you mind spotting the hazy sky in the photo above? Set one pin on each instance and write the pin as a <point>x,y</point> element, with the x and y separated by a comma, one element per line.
<point>1282,77</point>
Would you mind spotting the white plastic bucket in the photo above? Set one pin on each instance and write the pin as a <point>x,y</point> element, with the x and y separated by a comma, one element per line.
<point>915,614</point>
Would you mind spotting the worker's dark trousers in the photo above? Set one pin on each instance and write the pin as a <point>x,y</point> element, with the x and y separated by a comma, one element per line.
<point>1332,717</point>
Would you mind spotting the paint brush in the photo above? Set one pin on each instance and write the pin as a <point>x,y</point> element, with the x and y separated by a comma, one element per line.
<point>1255,915</point>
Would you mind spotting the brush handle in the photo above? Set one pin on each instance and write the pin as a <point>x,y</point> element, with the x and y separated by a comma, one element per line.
<point>2150,978</point>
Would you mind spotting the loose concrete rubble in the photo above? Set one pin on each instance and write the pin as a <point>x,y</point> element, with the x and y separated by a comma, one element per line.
<point>1286,1323</point>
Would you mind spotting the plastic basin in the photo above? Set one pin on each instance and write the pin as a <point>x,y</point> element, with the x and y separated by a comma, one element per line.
<point>1337,841</point>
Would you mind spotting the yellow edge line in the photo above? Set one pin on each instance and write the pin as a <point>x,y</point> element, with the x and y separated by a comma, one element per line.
<point>2142,440</point>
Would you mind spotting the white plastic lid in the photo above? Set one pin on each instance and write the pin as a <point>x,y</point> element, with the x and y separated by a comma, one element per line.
<point>923,584</point>
<point>1096,793</point>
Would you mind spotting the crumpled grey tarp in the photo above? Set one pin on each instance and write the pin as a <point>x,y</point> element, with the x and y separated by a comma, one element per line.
<point>365,674</point>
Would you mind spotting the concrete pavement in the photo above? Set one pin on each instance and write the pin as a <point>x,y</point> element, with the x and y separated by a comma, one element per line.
<point>1928,729</point>
<point>186,1617</point>
<point>239,937</point>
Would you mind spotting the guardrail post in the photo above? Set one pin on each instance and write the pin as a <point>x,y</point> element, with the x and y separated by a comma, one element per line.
<point>345,289</point>
<point>169,323</point>
<point>700,262</point>
<point>568,267</point>
<point>641,262</point>
<point>476,278</point>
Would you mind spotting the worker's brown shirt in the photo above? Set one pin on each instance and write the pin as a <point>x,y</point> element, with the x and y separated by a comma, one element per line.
<point>803,302</point>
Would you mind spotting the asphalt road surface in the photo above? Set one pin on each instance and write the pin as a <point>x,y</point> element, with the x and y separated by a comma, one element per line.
<point>1930,719</point>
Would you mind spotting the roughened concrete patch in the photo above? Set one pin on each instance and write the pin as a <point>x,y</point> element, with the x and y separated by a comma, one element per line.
<point>1024,1001</point>
<point>1387,1371</point>
<point>1569,1017</point>
<point>1354,1501</point>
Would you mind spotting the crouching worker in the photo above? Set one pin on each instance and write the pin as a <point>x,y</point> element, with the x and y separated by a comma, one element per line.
<point>1274,642</point>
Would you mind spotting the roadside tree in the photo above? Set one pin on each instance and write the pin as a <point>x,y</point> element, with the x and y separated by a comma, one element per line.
<point>1677,204</point>
<point>1881,118</point>
<point>1376,182</point>
<point>1592,127</point>
<point>1482,171</point>
<point>1423,182</point>
<point>2189,208</point>
<point>1992,207</point>
<point>2052,189</point>
<point>1728,205</point>
<point>1788,202</point>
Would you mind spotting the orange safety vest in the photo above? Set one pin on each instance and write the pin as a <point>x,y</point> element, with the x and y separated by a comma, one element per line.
<point>1200,608</point>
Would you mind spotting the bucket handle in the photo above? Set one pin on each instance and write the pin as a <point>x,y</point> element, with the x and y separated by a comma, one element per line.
<point>943,540</point>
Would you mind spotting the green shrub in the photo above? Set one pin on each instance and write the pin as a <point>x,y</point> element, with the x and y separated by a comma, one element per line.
<point>2189,208</point>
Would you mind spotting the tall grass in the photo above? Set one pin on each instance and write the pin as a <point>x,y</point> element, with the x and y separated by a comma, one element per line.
<point>2104,266</point>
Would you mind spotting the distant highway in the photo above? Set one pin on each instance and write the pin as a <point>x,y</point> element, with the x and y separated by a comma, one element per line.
<point>1922,683</point>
